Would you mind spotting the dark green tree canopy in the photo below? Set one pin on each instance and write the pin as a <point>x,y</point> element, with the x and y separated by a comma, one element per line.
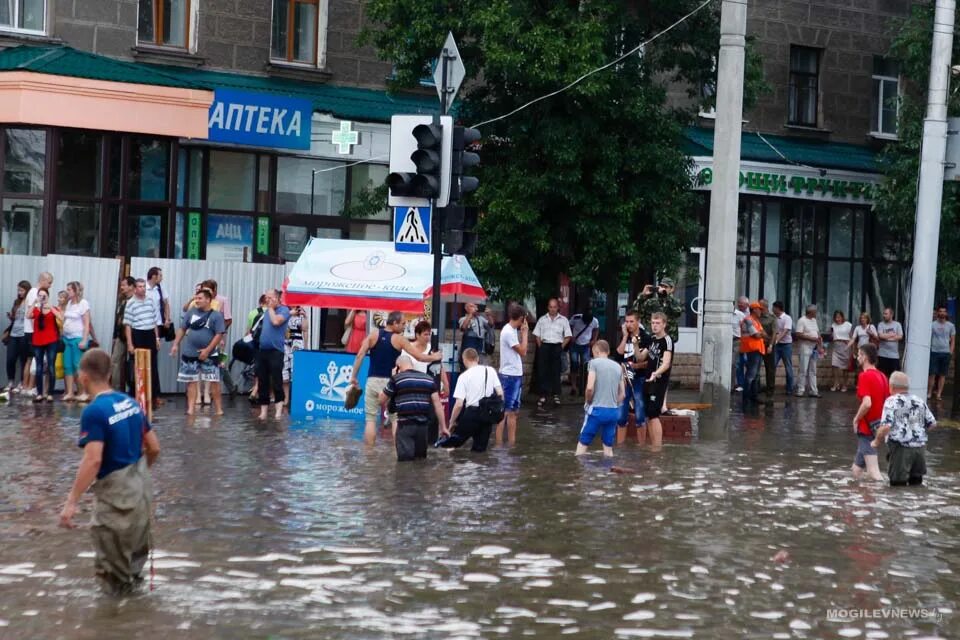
<point>594,181</point>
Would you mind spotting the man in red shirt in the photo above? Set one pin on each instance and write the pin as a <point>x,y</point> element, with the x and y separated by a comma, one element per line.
<point>872,391</point>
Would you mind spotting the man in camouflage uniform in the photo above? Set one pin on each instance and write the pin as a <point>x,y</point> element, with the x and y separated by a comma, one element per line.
<point>662,300</point>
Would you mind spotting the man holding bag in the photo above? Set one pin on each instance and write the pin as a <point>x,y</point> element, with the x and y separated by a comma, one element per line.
<point>478,395</point>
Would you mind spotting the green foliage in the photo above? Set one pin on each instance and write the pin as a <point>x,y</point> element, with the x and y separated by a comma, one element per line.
<point>897,197</point>
<point>592,182</point>
<point>367,202</point>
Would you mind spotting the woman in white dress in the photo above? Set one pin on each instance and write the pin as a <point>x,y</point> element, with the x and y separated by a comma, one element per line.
<point>840,360</point>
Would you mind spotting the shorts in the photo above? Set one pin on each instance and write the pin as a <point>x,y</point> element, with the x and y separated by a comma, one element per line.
<point>654,394</point>
<point>196,370</point>
<point>905,464</point>
<point>579,355</point>
<point>939,364</point>
<point>863,449</point>
<point>371,398</point>
<point>512,389</point>
<point>602,419</point>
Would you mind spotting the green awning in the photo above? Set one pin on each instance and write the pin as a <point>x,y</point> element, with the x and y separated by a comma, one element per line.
<point>795,151</point>
<point>348,103</point>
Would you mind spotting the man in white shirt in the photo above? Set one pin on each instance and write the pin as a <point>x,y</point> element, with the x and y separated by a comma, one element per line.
<point>585,329</point>
<point>513,348</point>
<point>161,300</point>
<point>890,333</point>
<point>811,349</point>
<point>741,311</point>
<point>466,420</point>
<point>44,281</point>
<point>783,343</point>
<point>553,334</point>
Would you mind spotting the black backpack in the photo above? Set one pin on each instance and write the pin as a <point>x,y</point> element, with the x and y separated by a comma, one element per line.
<point>257,328</point>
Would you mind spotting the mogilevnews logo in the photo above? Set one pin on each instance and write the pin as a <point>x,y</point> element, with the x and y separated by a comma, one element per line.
<point>888,613</point>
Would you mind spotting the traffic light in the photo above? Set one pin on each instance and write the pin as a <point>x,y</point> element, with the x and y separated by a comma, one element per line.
<point>459,235</point>
<point>460,184</point>
<point>420,157</point>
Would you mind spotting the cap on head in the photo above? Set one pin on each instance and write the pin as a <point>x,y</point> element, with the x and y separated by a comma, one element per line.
<point>666,282</point>
<point>755,305</point>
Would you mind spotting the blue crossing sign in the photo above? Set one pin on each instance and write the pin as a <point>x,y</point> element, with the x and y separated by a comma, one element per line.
<point>411,229</point>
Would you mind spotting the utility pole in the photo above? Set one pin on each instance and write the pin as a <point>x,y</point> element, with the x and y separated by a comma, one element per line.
<point>926,239</point>
<point>439,214</point>
<point>716,357</point>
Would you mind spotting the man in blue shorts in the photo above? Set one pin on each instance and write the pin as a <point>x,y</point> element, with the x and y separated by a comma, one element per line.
<point>513,348</point>
<point>604,393</point>
<point>114,435</point>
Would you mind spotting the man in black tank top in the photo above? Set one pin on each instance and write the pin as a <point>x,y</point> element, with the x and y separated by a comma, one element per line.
<point>383,345</point>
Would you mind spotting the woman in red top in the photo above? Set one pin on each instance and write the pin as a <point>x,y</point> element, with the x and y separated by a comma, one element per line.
<point>356,322</point>
<point>45,336</point>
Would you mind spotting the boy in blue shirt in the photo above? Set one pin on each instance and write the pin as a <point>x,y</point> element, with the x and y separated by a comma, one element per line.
<point>114,435</point>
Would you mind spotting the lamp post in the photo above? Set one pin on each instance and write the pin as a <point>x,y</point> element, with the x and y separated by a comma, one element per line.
<point>313,180</point>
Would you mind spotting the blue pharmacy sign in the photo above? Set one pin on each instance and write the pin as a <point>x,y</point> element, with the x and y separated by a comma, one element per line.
<point>320,381</point>
<point>259,119</point>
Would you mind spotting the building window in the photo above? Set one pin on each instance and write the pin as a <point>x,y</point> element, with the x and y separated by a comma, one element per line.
<point>299,31</point>
<point>164,23</point>
<point>804,86</point>
<point>294,188</point>
<point>23,15</point>
<point>886,97</point>
<point>231,182</point>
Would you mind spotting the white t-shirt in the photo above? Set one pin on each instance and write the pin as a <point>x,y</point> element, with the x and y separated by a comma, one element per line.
<point>738,317</point>
<point>511,364</point>
<point>470,385</point>
<point>28,303</point>
<point>841,332</point>
<point>581,332</point>
<point>785,323</point>
<point>153,293</point>
<point>808,327</point>
<point>73,319</point>
<point>863,334</point>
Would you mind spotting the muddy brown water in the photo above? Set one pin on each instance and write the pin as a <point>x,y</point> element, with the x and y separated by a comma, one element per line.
<point>299,531</point>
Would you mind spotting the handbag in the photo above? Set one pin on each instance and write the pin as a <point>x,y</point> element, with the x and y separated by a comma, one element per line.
<point>491,407</point>
<point>345,339</point>
<point>5,336</point>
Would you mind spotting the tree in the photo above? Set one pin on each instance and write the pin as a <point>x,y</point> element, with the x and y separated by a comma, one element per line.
<point>592,182</point>
<point>897,196</point>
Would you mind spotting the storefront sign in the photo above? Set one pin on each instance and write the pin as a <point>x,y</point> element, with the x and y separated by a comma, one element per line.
<point>260,120</point>
<point>320,385</point>
<point>263,236</point>
<point>810,184</point>
<point>228,236</point>
<point>193,236</point>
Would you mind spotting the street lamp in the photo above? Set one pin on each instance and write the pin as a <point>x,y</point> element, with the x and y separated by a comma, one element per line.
<point>313,180</point>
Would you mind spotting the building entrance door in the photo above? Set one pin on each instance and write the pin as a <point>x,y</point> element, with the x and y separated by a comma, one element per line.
<point>689,291</point>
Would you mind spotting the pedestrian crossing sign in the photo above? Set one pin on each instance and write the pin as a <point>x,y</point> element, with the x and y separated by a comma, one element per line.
<point>411,229</point>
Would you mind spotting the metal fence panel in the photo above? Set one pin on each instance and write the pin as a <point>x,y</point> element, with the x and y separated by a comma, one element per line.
<point>242,283</point>
<point>98,276</point>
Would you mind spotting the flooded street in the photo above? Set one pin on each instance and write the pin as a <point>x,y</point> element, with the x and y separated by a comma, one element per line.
<point>298,531</point>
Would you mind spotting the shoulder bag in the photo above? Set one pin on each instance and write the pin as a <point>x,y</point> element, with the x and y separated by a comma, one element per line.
<point>491,406</point>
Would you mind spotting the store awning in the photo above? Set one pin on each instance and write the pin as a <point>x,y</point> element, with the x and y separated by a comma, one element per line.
<point>60,62</point>
<point>63,87</point>
<point>362,274</point>
<point>787,150</point>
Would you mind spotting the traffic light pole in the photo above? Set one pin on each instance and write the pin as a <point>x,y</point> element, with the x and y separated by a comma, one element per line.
<point>436,232</point>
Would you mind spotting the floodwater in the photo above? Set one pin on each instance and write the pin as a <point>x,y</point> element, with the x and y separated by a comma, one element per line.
<point>298,531</point>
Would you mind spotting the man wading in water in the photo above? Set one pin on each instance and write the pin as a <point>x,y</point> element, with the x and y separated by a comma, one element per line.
<point>115,435</point>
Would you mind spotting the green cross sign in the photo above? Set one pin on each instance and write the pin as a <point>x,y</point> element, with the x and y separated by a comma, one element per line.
<point>345,138</point>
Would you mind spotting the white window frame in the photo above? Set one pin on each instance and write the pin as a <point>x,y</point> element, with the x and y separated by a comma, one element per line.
<point>879,133</point>
<point>193,7</point>
<point>47,8</point>
<point>323,12</point>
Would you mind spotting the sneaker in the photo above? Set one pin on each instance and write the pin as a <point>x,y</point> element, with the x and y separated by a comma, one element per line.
<point>541,402</point>
<point>556,401</point>
<point>738,389</point>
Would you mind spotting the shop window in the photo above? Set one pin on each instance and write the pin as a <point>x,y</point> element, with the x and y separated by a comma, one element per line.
<point>145,233</point>
<point>149,169</point>
<point>370,231</point>
<point>164,23</point>
<point>293,240</point>
<point>886,98</point>
<point>23,15</point>
<point>181,176</point>
<point>839,289</point>
<point>78,228</point>
<point>299,31</point>
<point>263,184</point>
<point>367,177</point>
<point>21,226</point>
<point>297,178</point>
<point>24,160</point>
<point>114,165</point>
<point>78,164</point>
<point>229,237</point>
<point>196,178</point>
<point>178,236</point>
<point>113,230</point>
<point>804,86</point>
<point>232,180</point>
<point>841,232</point>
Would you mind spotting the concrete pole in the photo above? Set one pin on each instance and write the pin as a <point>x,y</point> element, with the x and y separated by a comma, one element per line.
<point>719,294</point>
<point>929,198</point>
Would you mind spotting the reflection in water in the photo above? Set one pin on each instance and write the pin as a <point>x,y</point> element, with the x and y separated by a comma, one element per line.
<point>301,531</point>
